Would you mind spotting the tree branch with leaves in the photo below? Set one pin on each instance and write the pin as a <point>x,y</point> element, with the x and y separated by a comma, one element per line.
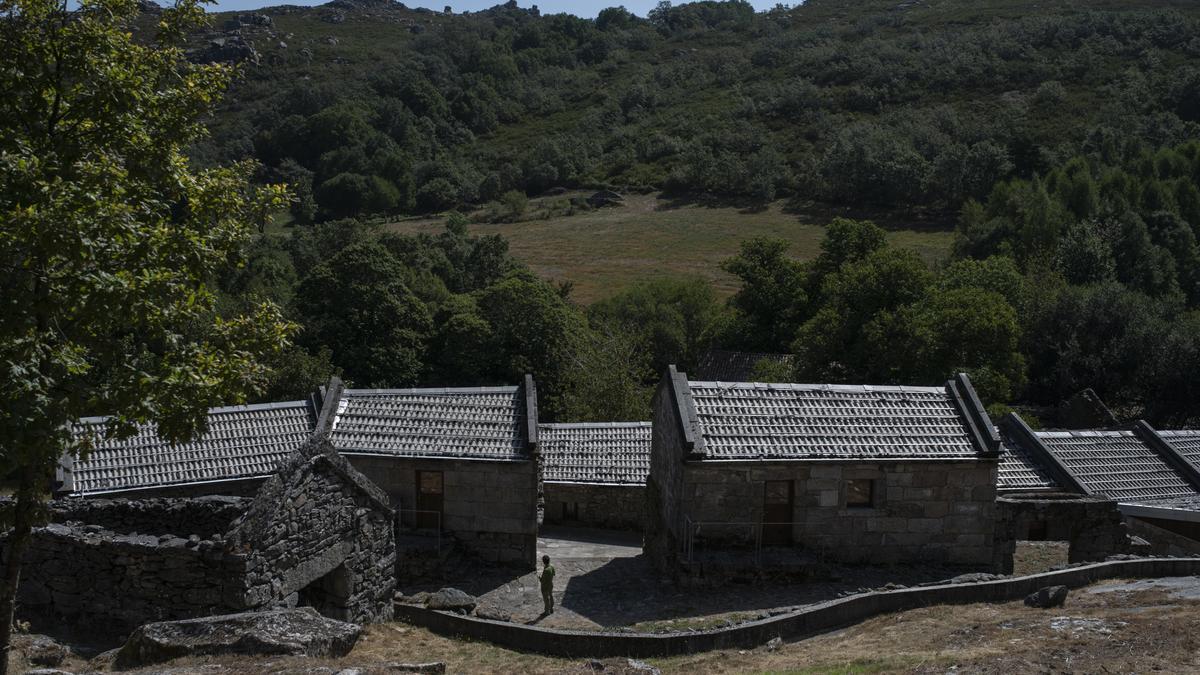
<point>109,240</point>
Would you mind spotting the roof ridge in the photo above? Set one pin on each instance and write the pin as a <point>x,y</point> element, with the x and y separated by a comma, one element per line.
<point>800,386</point>
<point>593,425</point>
<point>434,391</point>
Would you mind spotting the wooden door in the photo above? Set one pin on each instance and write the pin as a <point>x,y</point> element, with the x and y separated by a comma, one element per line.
<point>429,499</point>
<point>778,498</point>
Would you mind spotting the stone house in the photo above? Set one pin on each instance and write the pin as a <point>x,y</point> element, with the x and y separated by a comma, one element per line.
<point>862,474</point>
<point>595,474</point>
<point>457,461</point>
<point>317,533</point>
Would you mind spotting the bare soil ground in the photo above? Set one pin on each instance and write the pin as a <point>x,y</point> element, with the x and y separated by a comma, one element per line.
<point>1113,627</point>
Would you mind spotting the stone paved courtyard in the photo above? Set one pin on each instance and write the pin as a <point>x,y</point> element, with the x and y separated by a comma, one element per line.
<point>604,581</point>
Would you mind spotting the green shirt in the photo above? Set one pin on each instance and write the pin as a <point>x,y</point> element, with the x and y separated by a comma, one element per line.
<point>547,577</point>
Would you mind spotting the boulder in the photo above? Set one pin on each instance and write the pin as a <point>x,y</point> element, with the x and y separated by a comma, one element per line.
<point>1050,596</point>
<point>41,650</point>
<point>291,632</point>
<point>605,198</point>
<point>452,599</point>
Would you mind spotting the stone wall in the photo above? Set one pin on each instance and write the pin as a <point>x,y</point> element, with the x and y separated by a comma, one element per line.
<point>1091,525</point>
<point>618,507</point>
<point>924,510</point>
<point>489,507</point>
<point>320,534</point>
<point>1159,539</point>
<point>105,583</point>
<point>202,516</point>
<point>241,487</point>
<point>664,487</point>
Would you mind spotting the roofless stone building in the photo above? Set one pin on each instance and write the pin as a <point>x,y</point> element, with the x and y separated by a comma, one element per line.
<point>846,473</point>
<point>318,534</point>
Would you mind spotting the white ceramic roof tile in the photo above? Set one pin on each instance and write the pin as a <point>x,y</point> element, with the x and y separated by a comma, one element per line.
<point>476,423</point>
<point>1116,464</point>
<point>1186,442</point>
<point>241,442</point>
<point>804,421</point>
<point>616,452</point>
<point>1018,469</point>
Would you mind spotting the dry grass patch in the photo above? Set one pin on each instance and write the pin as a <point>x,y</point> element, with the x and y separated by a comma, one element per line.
<point>606,250</point>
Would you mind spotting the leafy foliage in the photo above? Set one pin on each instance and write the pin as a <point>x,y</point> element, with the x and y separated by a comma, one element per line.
<point>845,102</point>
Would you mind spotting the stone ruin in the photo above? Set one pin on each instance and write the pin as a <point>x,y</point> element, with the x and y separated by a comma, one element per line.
<point>1092,526</point>
<point>317,534</point>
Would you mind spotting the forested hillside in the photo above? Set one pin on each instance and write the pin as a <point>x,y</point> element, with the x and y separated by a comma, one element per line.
<point>371,107</point>
<point>1060,140</point>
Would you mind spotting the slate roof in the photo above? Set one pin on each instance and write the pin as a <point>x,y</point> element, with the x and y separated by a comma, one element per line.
<point>729,366</point>
<point>810,421</point>
<point>614,452</point>
<point>241,442</point>
<point>1018,468</point>
<point>465,423</point>
<point>1116,464</point>
<point>1186,443</point>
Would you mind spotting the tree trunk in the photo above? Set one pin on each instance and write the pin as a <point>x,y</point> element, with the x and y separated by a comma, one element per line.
<point>18,541</point>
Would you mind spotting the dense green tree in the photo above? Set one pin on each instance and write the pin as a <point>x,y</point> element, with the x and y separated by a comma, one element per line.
<point>843,339</point>
<point>359,306</point>
<point>533,330</point>
<point>771,301</point>
<point>109,240</point>
<point>672,320</point>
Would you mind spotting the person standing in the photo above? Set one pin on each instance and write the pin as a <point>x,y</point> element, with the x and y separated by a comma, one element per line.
<point>547,580</point>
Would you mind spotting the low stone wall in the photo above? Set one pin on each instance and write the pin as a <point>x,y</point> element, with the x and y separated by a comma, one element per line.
<point>107,583</point>
<point>202,516</point>
<point>803,623</point>
<point>617,507</point>
<point>1093,526</point>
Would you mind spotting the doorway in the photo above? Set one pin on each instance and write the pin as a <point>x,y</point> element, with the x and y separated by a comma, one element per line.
<point>778,501</point>
<point>430,498</point>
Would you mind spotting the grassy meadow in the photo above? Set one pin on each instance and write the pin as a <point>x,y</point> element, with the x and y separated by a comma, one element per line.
<point>605,250</point>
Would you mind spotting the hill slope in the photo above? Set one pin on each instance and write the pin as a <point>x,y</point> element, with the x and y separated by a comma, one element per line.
<point>372,107</point>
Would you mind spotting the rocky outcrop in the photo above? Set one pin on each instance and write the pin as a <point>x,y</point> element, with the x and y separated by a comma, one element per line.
<point>290,632</point>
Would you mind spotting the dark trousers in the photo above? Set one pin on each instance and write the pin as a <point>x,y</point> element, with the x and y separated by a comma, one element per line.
<point>548,599</point>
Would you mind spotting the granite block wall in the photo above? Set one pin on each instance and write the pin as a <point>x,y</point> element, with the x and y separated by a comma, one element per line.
<point>1093,526</point>
<point>935,511</point>
<point>664,486</point>
<point>617,507</point>
<point>489,507</point>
